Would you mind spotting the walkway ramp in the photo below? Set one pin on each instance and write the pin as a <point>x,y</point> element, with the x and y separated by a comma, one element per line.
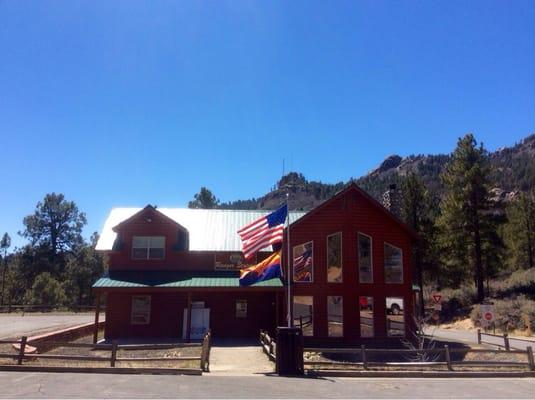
<point>239,358</point>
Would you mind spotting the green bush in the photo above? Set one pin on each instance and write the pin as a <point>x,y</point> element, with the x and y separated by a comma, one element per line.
<point>45,291</point>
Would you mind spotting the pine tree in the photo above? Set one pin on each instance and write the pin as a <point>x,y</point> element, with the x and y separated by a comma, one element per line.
<point>204,199</point>
<point>465,221</point>
<point>519,231</point>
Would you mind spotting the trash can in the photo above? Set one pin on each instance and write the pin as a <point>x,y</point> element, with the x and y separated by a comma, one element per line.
<point>289,351</point>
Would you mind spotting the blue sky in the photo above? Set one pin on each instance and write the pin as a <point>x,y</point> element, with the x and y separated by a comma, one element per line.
<point>129,103</point>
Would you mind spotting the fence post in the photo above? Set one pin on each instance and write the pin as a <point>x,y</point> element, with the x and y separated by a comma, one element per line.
<point>478,336</point>
<point>21,350</point>
<point>448,357</point>
<point>204,351</point>
<point>506,341</point>
<point>113,353</point>
<point>363,356</point>
<point>531,361</point>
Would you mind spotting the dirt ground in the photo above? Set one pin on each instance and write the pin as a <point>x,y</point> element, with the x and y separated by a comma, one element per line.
<point>121,353</point>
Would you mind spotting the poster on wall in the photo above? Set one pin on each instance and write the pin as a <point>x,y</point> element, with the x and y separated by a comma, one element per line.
<point>140,310</point>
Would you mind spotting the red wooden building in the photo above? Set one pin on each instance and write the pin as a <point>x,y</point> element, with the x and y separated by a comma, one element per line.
<point>173,273</point>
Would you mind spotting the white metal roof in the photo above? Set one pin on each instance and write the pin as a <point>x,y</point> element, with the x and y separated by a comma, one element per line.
<point>209,230</point>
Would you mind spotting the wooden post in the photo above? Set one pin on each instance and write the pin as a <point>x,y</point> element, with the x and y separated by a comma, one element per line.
<point>448,357</point>
<point>21,350</point>
<point>277,310</point>
<point>188,320</point>
<point>363,356</point>
<point>97,311</point>
<point>531,361</point>
<point>506,342</point>
<point>301,321</point>
<point>479,336</point>
<point>113,353</point>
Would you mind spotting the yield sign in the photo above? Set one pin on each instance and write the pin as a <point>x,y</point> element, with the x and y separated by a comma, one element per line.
<point>437,297</point>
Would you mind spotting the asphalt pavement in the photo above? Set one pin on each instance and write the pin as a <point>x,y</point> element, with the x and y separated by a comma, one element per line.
<point>15,325</point>
<point>67,385</point>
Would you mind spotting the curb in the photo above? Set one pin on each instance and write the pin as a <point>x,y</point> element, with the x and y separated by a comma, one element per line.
<point>421,374</point>
<point>108,370</point>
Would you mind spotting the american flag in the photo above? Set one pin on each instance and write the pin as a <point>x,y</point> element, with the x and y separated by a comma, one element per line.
<point>263,232</point>
<point>303,266</point>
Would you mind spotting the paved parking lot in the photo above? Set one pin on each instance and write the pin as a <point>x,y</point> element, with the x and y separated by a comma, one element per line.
<point>15,325</point>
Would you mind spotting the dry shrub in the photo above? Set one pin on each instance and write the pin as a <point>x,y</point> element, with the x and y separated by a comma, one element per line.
<point>510,314</point>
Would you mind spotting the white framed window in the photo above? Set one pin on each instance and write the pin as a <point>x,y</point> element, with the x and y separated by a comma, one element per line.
<point>303,262</point>
<point>393,264</point>
<point>365,258</point>
<point>366,316</point>
<point>140,310</point>
<point>395,316</point>
<point>334,257</point>
<point>335,316</point>
<point>303,314</point>
<point>148,247</point>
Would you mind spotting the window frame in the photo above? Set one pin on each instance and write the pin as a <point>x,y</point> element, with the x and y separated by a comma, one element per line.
<point>384,264</point>
<point>293,266</point>
<point>327,257</point>
<point>342,317</point>
<point>134,322</point>
<point>404,334</point>
<point>147,255</point>
<point>371,257</point>
<point>373,316</point>
<point>313,317</point>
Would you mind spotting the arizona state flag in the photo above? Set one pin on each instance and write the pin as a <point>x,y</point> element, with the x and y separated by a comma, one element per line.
<point>268,269</point>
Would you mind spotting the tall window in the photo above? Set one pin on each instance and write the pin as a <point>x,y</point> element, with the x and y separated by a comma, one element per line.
<point>334,258</point>
<point>303,312</point>
<point>148,247</point>
<point>303,262</point>
<point>395,320</point>
<point>366,316</point>
<point>365,258</point>
<point>140,310</point>
<point>393,264</point>
<point>335,315</point>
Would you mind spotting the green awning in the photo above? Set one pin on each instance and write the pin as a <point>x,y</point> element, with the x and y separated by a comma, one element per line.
<point>177,279</point>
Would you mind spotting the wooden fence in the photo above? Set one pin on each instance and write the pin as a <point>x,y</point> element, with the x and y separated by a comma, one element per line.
<point>444,354</point>
<point>203,358</point>
<point>42,308</point>
<point>505,337</point>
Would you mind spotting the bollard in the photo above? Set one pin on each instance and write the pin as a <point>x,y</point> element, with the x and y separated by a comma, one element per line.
<point>448,357</point>
<point>506,342</point>
<point>531,361</point>
<point>21,350</point>
<point>363,355</point>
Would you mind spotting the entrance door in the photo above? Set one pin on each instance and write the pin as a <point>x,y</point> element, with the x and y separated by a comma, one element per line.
<point>200,323</point>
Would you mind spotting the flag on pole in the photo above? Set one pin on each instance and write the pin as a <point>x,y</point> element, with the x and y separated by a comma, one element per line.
<point>263,232</point>
<point>268,269</point>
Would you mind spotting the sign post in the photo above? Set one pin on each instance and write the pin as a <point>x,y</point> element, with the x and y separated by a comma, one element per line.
<point>487,314</point>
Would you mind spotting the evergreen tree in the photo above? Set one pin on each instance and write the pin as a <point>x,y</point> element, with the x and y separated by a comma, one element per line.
<point>5,244</point>
<point>466,221</point>
<point>519,231</point>
<point>56,224</point>
<point>204,199</point>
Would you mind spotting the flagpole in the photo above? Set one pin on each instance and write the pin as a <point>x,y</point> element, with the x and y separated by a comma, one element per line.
<point>289,278</point>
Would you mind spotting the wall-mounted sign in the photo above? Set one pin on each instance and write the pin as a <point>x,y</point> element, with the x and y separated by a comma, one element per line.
<point>140,310</point>
<point>229,262</point>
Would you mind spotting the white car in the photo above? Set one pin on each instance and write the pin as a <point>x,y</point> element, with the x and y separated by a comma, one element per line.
<point>394,305</point>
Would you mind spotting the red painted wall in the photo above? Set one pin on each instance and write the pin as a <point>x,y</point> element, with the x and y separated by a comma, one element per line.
<point>350,214</point>
<point>167,314</point>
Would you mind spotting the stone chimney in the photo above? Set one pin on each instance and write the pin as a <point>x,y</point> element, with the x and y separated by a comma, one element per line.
<point>392,200</point>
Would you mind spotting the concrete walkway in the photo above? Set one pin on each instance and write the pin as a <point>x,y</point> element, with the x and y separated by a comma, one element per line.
<point>238,358</point>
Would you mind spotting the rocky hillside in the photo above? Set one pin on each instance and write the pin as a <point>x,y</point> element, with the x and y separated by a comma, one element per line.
<point>513,169</point>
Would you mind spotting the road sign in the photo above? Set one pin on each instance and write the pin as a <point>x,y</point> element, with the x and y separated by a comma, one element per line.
<point>435,316</point>
<point>437,307</point>
<point>437,298</point>
<point>487,312</point>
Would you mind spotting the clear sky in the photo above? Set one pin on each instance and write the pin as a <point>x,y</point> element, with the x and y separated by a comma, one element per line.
<point>129,103</point>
